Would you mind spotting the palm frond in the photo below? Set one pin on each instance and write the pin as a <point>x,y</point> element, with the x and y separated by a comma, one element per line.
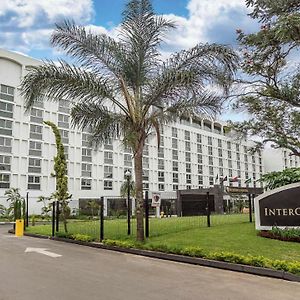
<point>64,81</point>
<point>104,123</point>
<point>97,52</point>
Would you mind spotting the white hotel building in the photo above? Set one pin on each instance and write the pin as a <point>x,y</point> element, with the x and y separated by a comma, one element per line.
<point>192,154</point>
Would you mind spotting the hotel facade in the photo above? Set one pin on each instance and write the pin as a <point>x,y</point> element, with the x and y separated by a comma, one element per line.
<point>194,153</point>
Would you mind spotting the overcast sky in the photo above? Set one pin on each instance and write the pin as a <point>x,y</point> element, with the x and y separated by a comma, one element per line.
<point>27,24</point>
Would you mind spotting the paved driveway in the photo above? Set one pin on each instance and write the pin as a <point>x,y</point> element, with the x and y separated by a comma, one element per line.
<point>87,273</point>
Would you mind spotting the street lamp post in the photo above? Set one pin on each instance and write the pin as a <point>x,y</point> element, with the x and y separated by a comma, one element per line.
<point>128,176</point>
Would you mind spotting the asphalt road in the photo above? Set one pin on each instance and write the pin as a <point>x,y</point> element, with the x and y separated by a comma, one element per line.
<point>88,273</point>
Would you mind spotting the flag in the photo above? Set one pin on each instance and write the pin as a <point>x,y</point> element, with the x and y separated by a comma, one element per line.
<point>249,180</point>
<point>224,178</point>
<point>234,179</point>
<point>217,177</point>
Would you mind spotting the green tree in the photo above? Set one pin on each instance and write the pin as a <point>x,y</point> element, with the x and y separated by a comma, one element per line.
<point>94,206</point>
<point>123,88</point>
<point>46,208</point>
<point>16,206</point>
<point>274,180</point>
<point>60,173</point>
<point>270,92</point>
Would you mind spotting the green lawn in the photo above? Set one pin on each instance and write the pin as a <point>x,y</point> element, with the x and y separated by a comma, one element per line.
<point>228,233</point>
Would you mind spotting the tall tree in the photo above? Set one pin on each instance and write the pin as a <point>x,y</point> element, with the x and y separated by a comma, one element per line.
<point>61,193</point>
<point>270,92</point>
<point>123,88</point>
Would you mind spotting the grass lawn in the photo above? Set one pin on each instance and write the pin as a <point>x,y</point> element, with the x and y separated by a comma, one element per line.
<point>228,233</point>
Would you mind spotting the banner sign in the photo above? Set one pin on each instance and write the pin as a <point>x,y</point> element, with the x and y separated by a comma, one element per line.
<point>279,207</point>
<point>156,200</point>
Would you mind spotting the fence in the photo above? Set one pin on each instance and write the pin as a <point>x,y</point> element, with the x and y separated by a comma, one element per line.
<point>118,225</point>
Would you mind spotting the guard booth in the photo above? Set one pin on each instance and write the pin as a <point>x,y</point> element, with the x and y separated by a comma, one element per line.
<point>194,202</point>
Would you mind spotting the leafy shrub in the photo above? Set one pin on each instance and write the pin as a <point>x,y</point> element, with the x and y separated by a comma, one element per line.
<point>257,261</point>
<point>82,237</point>
<point>287,234</point>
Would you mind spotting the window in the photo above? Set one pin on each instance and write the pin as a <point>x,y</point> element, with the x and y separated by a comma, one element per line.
<point>187,135</point>
<point>253,159</point>
<point>85,140</point>
<point>108,157</point>
<point>175,187</point>
<point>228,145</point>
<point>188,178</point>
<point>238,165</point>
<point>146,175</point>
<point>64,136</point>
<point>108,172</point>
<point>161,176</point>
<point>6,109</point>
<point>188,168</point>
<point>4,181</point>
<point>238,156</point>
<point>162,141</point>
<point>175,154</point>
<point>160,152</point>
<point>86,154</point>
<point>5,127</point>
<point>221,172</point>
<point>187,146</point>
<point>229,163</point>
<point>245,157</point>
<point>211,171</point>
<point>229,154</point>
<point>5,163</point>
<point>161,187</point>
<point>245,149</point>
<point>211,180</point>
<point>220,152</point>
<point>200,159</point>
<point>209,140</point>
<point>108,144</point>
<point>210,160</point>
<point>230,172</point>
<point>5,144</point>
<point>199,138</point>
<point>200,179</point>
<point>175,177</point>
<point>146,186</point>
<point>188,156</point>
<point>145,162</point>
<point>220,162</point>
<point>219,143</point>
<point>34,182</point>
<point>63,121</point>
<point>200,169</point>
<point>210,150</point>
<point>36,132</point>
<point>64,106</point>
<point>237,147</point>
<point>174,132</point>
<point>175,166</point>
<point>6,92</point>
<point>86,170</point>
<point>188,187</point>
<point>146,150</point>
<point>34,165</point>
<point>161,164</point>
<point>174,143</point>
<point>36,115</point>
<point>199,148</point>
<point>127,160</point>
<point>86,184</point>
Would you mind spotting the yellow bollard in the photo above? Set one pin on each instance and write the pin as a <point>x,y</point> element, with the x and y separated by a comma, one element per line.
<point>19,230</point>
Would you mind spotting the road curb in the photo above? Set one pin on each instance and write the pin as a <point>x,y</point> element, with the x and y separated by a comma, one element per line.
<point>183,259</point>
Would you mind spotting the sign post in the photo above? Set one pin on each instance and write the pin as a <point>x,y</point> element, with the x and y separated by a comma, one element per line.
<point>156,201</point>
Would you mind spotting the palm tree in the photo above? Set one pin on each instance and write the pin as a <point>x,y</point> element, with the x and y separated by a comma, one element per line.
<point>123,88</point>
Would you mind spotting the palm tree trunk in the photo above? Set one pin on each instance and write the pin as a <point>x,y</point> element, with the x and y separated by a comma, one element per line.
<point>138,168</point>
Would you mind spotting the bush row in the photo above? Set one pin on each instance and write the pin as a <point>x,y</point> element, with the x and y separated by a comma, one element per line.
<point>287,234</point>
<point>257,261</point>
<point>76,237</point>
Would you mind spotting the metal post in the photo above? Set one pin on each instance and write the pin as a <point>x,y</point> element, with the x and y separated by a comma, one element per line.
<point>146,214</point>
<point>101,219</point>
<point>53,218</point>
<point>27,211</point>
<point>250,208</point>
<point>128,206</point>
<point>57,216</point>
<point>208,209</point>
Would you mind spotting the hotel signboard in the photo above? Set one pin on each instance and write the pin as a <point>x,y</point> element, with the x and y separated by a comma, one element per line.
<point>279,207</point>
